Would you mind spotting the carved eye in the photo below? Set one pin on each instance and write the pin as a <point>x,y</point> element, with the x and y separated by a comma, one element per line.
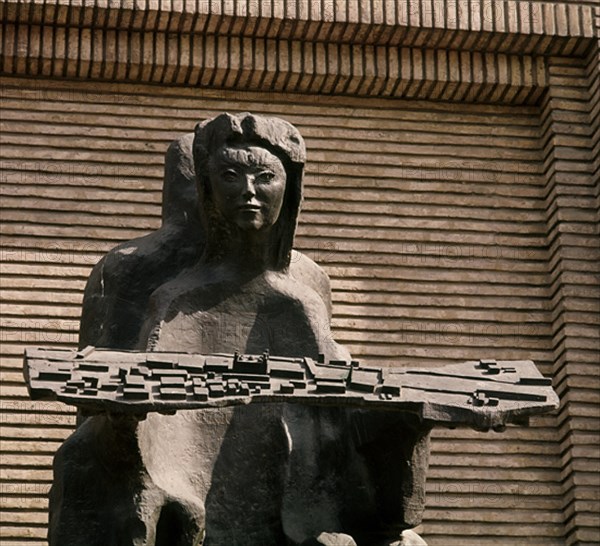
<point>264,177</point>
<point>229,175</point>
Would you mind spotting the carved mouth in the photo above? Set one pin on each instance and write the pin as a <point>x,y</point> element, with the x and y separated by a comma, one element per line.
<point>249,208</point>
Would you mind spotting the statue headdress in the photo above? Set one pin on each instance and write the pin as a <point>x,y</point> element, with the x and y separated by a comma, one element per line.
<point>275,135</point>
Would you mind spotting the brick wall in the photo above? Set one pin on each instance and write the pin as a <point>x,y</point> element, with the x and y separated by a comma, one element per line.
<point>451,194</point>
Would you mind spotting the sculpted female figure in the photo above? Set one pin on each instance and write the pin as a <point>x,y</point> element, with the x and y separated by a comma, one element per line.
<point>260,475</point>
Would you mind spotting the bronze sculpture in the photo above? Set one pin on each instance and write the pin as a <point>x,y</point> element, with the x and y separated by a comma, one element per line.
<point>219,277</point>
<point>297,481</point>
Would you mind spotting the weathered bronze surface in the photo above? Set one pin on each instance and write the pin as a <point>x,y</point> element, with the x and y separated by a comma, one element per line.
<point>220,276</point>
<point>480,394</point>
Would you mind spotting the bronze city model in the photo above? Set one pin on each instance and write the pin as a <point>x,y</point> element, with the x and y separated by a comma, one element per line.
<point>483,395</point>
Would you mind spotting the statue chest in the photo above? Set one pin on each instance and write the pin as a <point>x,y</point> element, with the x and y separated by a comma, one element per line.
<point>251,318</point>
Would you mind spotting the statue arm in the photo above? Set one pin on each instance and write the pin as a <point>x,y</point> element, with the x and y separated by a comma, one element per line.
<point>94,313</point>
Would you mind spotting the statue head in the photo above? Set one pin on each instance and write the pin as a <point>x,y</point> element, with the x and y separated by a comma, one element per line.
<point>249,175</point>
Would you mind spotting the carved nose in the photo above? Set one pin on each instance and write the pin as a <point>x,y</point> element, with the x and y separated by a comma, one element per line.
<point>249,190</point>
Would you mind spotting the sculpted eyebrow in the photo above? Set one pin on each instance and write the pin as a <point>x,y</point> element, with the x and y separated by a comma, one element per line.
<point>241,159</point>
<point>263,164</point>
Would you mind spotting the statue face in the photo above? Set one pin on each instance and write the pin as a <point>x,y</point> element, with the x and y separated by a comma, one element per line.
<point>248,185</point>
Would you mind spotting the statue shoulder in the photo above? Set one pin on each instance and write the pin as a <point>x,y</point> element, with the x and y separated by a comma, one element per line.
<point>309,273</point>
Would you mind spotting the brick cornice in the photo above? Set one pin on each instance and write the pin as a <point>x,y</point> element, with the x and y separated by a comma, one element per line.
<point>498,26</point>
<point>425,49</point>
<point>272,65</point>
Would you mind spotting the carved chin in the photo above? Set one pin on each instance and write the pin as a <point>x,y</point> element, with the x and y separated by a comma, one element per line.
<point>250,225</point>
<point>254,222</point>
